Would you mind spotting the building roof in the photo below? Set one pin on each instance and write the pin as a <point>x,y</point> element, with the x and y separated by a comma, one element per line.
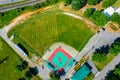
<point>118,10</point>
<point>109,11</point>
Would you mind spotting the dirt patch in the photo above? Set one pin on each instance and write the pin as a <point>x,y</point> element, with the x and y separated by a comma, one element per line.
<point>23,17</point>
<point>98,6</point>
<point>27,14</point>
<point>109,29</point>
<point>112,27</point>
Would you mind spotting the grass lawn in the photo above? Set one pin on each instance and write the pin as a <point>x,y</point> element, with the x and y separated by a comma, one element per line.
<point>101,65</point>
<point>117,3</point>
<point>43,29</point>
<point>89,77</point>
<point>8,61</point>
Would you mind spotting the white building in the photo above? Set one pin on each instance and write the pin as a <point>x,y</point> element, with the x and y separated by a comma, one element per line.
<point>118,10</point>
<point>110,11</point>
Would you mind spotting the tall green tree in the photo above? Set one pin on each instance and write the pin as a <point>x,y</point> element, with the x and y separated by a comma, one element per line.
<point>107,3</point>
<point>115,18</point>
<point>77,4</point>
<point>53,1</point>
<point>99,57</point>
<point>99,19</point>
<point>93,2</point>
<point>67,2</point>
<point>117,71</point>
<point>115,47</point>
<point>114,74</point>
<point>88,12</point>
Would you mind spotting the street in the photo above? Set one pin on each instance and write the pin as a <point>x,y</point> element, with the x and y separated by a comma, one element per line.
<point>10,7</point>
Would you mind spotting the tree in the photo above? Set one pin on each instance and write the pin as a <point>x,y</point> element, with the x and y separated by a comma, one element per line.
<point>24,64</point>
<point>34,70</point>
<point>99,19</point>
<point>67,2</point>
<point>98,57</point>
<point>107,3</point>
<point>115,18</point>
<point>47,2</point>
<point>28,74</point>
<point>53,1</point>
<point>77,4</point>
<point>117,71</point>
<point>88,12</point>
<point>100,54</point>
<point>53,76</point>
<point>114,74</point>
<point>115,47</point>
<point>21,78</point>
<point>93,2</point>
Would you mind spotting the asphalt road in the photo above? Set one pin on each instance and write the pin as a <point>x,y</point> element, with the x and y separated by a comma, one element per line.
<point>10,7</point>
<point>2,2</point>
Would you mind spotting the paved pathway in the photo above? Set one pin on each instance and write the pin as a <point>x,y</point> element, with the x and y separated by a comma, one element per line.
<point>110,66</point>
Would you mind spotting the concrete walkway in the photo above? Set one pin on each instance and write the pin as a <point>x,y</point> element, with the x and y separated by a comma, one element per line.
<point>110,66</point>
<point>94,69</point>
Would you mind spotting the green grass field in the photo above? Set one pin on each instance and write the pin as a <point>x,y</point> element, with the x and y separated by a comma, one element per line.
<point>8,69</point>
<point>43,29</point>
<point>117,3</point>
<point>101,65</point>
<point>8,61</point>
